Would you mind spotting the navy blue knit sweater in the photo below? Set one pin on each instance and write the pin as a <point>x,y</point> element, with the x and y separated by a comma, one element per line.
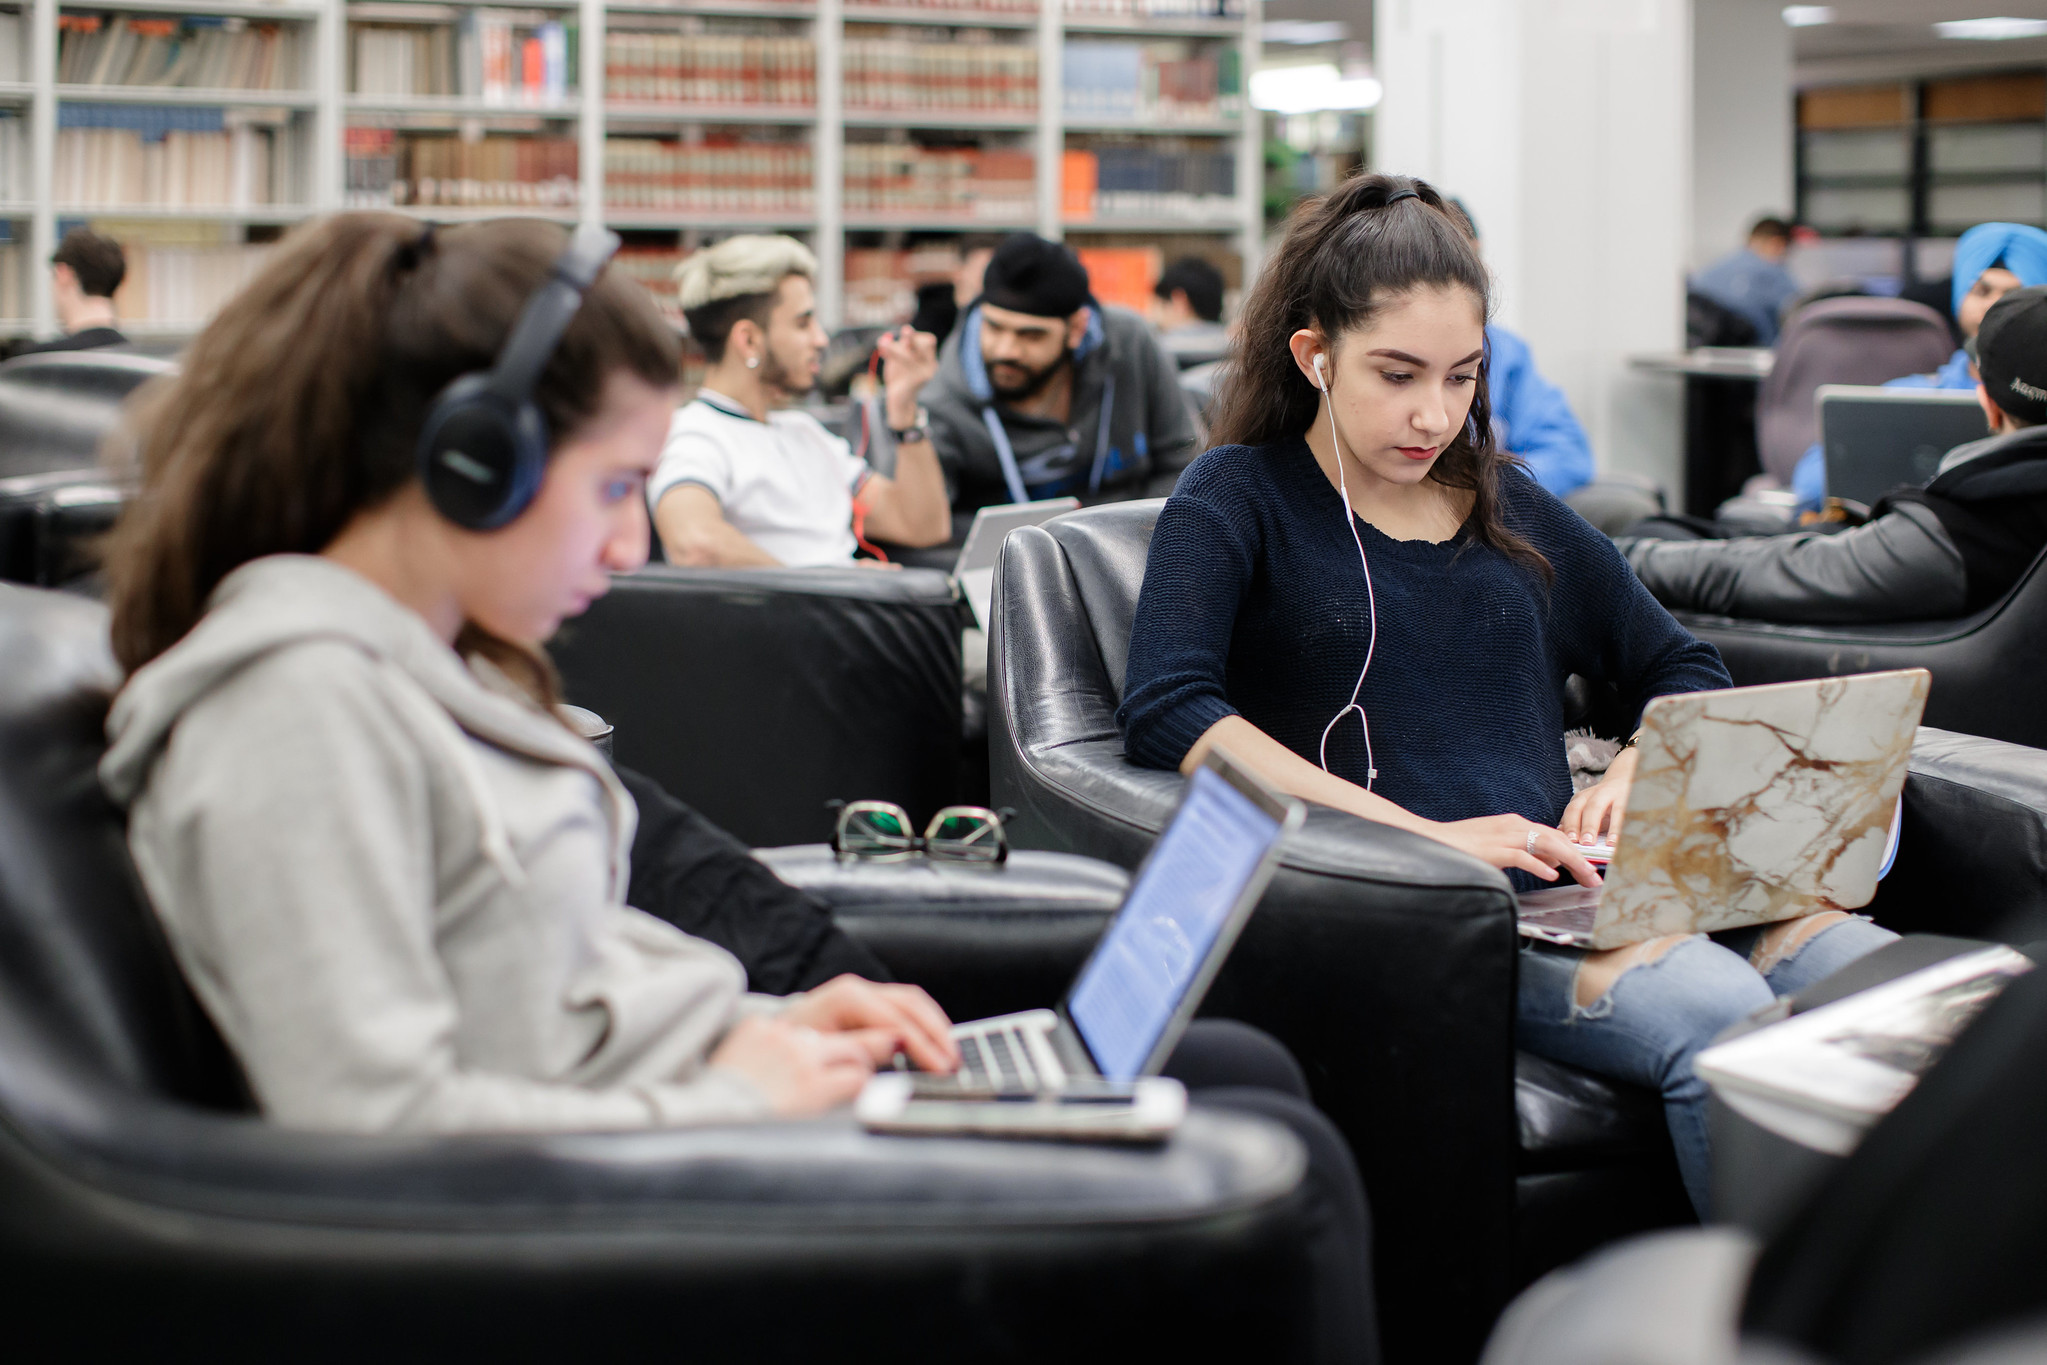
<point>1254,605</point>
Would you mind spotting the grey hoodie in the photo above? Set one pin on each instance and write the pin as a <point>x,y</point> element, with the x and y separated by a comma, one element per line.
<point>395,882</point>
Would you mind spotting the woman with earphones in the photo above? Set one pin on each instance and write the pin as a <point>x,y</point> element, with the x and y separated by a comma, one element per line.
<point>1369,603</point>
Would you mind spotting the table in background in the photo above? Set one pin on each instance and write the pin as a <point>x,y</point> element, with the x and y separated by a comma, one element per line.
<point>1721,385</point>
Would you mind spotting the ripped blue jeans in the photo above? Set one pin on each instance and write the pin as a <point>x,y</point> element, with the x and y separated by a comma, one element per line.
<point>1656,1017</point>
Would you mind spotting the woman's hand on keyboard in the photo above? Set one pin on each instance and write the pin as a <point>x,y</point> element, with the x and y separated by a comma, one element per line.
<point>1600,808</point>
<point>884,1019</point>
<point>800,1070</point>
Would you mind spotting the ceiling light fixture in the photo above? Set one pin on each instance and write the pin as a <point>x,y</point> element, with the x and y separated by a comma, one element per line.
<point>1312,90</point>
<point>1992,30</point>
<point>1805,16</point>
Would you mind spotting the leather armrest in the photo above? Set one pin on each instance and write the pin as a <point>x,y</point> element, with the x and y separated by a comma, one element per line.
<point>763,1173</point>
<point>1972,855</point>
<point>982,940</point>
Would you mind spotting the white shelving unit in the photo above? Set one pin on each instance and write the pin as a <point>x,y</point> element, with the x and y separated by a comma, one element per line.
<point>324,107</point>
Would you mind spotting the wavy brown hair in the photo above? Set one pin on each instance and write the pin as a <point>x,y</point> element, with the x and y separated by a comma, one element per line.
<point>1347,255</point>
<point>300,405</point>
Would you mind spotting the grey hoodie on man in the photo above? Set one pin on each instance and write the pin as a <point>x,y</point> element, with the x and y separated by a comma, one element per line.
<point>396,883</point>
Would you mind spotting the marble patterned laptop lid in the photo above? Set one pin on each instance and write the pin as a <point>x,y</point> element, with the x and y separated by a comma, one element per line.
<point>1755,804</point>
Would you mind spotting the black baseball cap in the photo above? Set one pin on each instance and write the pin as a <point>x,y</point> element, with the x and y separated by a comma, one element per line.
<point>1028,274</point>
<point>2011,354</point>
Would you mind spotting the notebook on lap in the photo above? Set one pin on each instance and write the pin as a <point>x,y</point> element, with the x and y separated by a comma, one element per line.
<point>1750,805</point>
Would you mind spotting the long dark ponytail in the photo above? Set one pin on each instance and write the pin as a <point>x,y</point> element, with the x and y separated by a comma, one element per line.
<point>1344,257</point>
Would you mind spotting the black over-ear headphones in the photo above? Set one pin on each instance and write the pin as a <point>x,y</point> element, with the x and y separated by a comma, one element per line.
<point>484,445</point>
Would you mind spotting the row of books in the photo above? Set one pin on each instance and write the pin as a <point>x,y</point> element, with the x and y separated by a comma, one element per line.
<point>1010,7</point>
<point>14,163</point>
<point>1158,9</point>
<point>13,284</point>
<point>701,68</point>
<point>729,177</point>
<point>183,286</point>
<point>188,52</point>
<point>1155,82</point>
<point>111,154</point>
<point>653,268</point>
<point>1138,182</point>
<point>891,179</point>
<point>881,283</point>
<point>892,73</point>
<point>383,168</point>
<point>498,56</point>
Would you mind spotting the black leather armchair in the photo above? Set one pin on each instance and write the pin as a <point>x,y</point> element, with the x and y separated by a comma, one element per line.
<point>1386,961</point>
<point>56,410</point>
<point>1383,959</point>
<point>1979,662</point>
<point>757,695</point>
<point>142,1204</point>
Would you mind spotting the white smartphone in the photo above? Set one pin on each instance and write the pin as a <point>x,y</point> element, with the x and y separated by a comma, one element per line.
<point>1145,1110</point>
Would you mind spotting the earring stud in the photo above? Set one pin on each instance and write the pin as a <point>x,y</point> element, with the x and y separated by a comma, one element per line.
<point>753,362</point>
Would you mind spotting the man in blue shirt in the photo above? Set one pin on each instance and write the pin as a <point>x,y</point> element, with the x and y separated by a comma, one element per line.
<point>1531,416</point>
<point>1753,281</point>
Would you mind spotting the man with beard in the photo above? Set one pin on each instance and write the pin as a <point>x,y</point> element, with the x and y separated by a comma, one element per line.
<point>746,480</point>
<point>1044,392</point>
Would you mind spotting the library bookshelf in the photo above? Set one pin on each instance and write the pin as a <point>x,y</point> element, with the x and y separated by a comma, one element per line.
<point>866,129</point>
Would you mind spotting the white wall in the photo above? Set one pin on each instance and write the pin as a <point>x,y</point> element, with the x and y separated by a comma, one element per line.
<point>1566,126</point>
<point>1741,121</point>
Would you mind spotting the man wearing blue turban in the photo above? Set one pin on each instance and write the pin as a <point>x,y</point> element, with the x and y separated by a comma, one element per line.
<point>1991,260</point>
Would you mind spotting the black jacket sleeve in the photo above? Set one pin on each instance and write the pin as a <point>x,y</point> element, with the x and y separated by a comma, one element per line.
<point>706,883</point>
<point>1903,566</point>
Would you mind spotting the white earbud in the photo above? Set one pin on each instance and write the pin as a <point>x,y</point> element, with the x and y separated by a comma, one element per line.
<point>1350,522</point>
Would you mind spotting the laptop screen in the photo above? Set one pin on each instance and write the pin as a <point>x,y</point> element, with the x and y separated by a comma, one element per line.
<point>1182,899</point>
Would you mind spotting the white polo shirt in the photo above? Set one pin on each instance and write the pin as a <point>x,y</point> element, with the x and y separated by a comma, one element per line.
<point>787,484</point>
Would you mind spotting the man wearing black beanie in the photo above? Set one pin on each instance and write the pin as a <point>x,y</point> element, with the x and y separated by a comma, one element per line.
<point>1926,554</point>
<point>1043,392</point>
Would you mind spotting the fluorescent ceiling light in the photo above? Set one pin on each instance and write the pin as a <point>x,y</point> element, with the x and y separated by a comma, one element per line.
<point>1305,32</point>
<point>1311,90</point>
<point>1992,30</point>
<point>1805,16</point>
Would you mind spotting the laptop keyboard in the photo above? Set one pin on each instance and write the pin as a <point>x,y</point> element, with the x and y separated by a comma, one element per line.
<point>998,1059</point>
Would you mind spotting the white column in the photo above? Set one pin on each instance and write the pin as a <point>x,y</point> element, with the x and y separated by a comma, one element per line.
<point>1566,126</point>
<point>827,151</point>
<point>1048,143</point>
<point>1741,122</point>
<point>42,132</point>
<point>590,123</point>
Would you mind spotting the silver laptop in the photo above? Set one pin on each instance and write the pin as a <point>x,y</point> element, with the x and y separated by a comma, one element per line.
<point>1750,805</point>
<point>1146,977</point>
<point>1876,439</point>
<point>974,570</point>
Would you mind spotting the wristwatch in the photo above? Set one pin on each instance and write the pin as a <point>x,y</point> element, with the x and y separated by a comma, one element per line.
<point>917,431</point>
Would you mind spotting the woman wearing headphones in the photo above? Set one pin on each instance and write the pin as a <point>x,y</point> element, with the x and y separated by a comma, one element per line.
<point>392,877</point>
<point>1402,657</point>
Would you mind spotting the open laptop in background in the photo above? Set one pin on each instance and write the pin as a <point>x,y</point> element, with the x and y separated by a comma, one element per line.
<point>1749,805</point>
<point>1133,999</point>
<point>1876,439</point>
<point>974,570</point>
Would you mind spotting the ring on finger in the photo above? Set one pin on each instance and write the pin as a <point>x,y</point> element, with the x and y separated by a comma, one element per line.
<point>1530,843</point>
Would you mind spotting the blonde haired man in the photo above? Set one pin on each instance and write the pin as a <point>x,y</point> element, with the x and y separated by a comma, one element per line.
<point>746,480</point>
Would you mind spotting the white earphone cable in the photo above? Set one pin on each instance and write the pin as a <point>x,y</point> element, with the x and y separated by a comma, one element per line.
<point>1350,521</point>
